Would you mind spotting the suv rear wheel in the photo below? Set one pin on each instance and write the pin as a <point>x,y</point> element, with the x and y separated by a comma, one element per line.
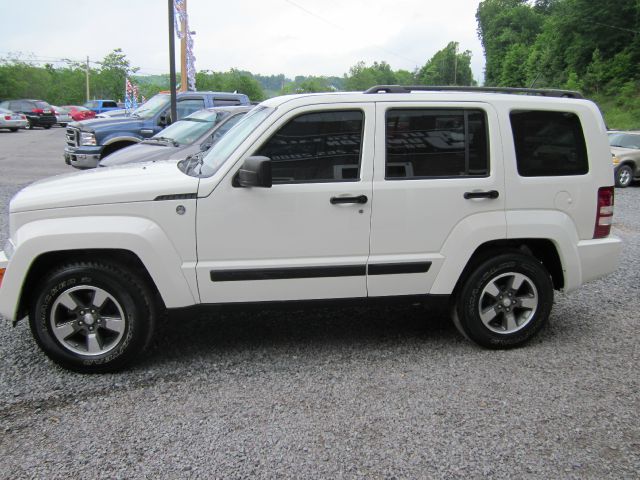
<point>93,317</point>
<point>505,301</point>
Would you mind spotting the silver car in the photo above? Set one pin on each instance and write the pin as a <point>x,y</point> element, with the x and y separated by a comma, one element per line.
<point>63,116</point>
<point>11,120</point>
<point>625,150</point>
<point>192,134</point>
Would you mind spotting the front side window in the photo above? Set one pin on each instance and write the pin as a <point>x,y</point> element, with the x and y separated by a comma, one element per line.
<point>317,147</point>
<point>436,143</point>
<point>548,144</point>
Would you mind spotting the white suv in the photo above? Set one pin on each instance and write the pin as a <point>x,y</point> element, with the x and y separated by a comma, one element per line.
<point>492,197</point>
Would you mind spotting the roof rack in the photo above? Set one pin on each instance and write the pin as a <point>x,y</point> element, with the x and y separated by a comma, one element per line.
<point>449,88</point>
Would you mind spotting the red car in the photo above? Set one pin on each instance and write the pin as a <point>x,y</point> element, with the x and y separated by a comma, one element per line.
<point>79,113</point>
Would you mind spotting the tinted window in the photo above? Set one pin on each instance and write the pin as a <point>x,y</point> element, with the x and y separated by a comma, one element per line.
<point>223,102</point>
<point>317,147</point>
<point>185,107</point>
<point>549,144</point>
<point>428,143</point>
<point>109,105</point>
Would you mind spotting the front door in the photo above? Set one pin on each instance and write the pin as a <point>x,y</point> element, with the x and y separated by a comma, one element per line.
<point>306,237</point>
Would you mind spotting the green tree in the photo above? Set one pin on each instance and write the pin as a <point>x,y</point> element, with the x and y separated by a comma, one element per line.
<point>109,80</point>
<point>362,77</point>
<point>447,67</point>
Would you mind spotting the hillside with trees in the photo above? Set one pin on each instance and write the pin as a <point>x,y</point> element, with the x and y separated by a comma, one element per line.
<point>586,45</point>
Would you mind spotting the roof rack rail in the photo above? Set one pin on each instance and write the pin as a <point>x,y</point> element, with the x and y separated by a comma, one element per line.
<point>450,88</point>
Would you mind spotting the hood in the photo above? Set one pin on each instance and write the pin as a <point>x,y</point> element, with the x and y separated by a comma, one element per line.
<point>138,182</point>
<point>625,152</point>
<point>144,152</point>
<point>97,124</point>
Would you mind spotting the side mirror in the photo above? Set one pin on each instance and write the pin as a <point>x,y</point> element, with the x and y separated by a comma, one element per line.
<point>255,172</point>
<point>165,120</point>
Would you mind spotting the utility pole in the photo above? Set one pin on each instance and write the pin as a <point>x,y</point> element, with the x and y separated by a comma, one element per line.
<point>87,75</point>
<point>172,64</point>
<point>183,51</point>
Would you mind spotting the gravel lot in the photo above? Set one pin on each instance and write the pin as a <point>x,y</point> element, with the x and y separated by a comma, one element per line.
<point>352,393</point>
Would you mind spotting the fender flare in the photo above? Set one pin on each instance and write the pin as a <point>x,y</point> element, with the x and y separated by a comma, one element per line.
<point>140,236</point>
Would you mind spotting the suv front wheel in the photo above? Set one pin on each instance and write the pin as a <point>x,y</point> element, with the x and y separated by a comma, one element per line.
<point>92,317</point>
<point>505,301</point>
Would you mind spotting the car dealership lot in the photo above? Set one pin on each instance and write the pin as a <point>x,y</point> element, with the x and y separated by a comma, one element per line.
<point>371,393</point>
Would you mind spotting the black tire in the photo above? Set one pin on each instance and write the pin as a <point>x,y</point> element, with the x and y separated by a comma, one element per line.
<point>624,176</point>
<point>513,291</point>
<point>63,125</point>
<point>13,129</point>
<point>47,127</point>
<point>29,125</point>
<point>92,338</point>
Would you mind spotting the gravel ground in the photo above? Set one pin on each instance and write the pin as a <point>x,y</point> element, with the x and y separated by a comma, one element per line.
<point>350,393</point>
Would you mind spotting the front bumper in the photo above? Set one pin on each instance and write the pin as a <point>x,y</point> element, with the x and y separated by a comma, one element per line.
<point>82,157</point>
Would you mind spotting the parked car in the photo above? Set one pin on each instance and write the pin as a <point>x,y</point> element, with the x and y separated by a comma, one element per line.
<point>79,113</point>
<point>11,120</point>
<point>625,152</point>
<point>194,133</point>
<point>62,116</point>
<point>334,197</point>
<point>99,106</point>
<point>89,142</point>
<point>38,112</point>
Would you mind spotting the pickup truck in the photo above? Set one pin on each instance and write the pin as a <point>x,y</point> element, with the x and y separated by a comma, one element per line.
<point>100,106</point>
<point>90,141</point>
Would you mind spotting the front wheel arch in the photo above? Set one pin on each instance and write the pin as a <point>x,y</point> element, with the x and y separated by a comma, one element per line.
<point>50,260</point>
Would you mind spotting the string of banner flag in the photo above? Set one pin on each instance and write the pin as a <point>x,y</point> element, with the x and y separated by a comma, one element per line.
<point>181,18</point>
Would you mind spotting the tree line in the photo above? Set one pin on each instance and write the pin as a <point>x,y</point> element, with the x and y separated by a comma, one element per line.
<point>20,78</point>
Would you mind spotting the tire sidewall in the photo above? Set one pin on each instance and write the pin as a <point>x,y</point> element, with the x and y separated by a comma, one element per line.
<point>468,315</point>
<point>135,312</point>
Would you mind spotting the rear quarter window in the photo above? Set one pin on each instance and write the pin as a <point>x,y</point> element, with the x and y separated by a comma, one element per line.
<point>548,144</point>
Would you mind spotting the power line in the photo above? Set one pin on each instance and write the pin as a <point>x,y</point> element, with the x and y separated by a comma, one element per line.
<point>342,29</point>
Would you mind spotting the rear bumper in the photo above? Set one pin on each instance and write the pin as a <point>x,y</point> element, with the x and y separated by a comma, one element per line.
<point>599,257</point>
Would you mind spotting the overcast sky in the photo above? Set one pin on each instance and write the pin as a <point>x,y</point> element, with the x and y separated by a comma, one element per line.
<point>294,37</point>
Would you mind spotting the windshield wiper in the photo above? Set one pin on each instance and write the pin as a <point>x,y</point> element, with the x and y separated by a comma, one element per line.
<point>165,139</point>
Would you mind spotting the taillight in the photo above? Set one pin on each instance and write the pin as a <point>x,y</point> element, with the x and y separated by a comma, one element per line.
<point>7,117</point>
<point>604,215</point>
<point>37,110</point>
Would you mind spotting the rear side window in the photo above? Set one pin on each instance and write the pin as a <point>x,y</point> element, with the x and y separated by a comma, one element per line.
<point>436,143</point>
<point>225,102</point>
<point>317,147</point>
<point>109,105</point>
<point>549,144</point>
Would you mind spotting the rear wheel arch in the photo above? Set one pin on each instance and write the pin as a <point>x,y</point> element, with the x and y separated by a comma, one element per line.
<point>543,250</point>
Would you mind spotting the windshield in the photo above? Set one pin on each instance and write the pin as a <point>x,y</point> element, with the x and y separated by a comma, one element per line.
<point>624,140</point>
<point>152,106</point>
<point>226,145</point>
<point>190,129</point>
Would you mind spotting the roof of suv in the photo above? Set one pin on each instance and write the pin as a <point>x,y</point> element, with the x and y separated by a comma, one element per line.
<point>419,92</point>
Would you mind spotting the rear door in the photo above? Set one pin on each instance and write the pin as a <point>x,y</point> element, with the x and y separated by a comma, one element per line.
<point>438,191</point>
